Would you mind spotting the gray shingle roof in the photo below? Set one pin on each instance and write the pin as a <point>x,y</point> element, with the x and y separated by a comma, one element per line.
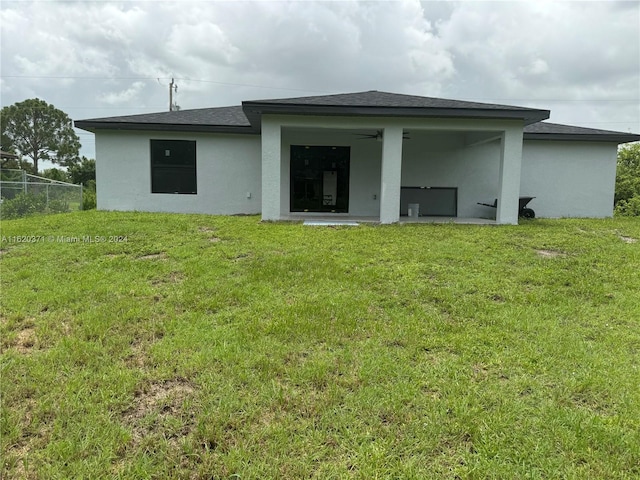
<point>246,118</point>
<point>374,98</point>
<point>557,131</point>
<point>229,119</point>
<point>375,103</point>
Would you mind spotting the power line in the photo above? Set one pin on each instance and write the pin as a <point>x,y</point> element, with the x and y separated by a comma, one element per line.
<point>106,108</point>
<point>187,79</point>
<point>65,77</point>
<point>71,77</point>
<point>536,100</point>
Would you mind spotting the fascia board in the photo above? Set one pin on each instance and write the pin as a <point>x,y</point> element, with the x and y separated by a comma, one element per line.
<point>254,111</point>
<point>611,138</point>
<point>164,127</point>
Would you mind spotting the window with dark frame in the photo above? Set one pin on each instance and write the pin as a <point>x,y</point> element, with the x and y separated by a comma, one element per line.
<point>173,166</point>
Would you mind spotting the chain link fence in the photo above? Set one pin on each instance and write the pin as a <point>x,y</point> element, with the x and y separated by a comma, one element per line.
<point>24,194</point>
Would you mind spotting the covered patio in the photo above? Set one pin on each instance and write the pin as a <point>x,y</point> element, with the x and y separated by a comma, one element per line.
<point>421,162</point>
<point>470,152</point>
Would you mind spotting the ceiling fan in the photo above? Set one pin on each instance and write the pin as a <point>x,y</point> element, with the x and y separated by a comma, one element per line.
<point>378,136</point>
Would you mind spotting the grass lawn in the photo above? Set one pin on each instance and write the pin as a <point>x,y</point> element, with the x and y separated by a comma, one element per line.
<point>222,347</point>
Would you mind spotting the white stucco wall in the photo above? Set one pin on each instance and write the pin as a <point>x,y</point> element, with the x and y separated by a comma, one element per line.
<point>227,168</point>
<point>569,179</point>
<point>271,167</point>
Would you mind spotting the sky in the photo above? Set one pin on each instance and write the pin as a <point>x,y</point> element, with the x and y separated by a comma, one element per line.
<point>95,58</point>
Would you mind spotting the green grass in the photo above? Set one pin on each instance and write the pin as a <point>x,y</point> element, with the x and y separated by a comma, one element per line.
<point>222,347</point>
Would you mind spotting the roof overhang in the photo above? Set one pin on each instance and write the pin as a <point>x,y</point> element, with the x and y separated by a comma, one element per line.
<point>372,105</point>
<point>255,110</point>
<point>572,133</point>
<point>92,126</point>
<point>600,137</point>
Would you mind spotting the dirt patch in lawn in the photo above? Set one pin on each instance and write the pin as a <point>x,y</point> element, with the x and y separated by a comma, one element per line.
<point>159,410</point>
<point>153,256</point>
<point>139,356</point>
<point>20,454</point>
<point>550,253</point>
<point>25,340</point>
<point>171,278</point>
<point>16,464</point>
<point>213,238</point>
<point>628,239</point>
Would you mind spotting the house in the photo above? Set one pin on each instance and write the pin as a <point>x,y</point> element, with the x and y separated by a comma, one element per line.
<point>8,155</point>
<point>356,155</point>
<point>5,157</point>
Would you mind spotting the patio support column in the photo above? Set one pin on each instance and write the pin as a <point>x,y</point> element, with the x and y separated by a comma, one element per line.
<point>391,175</point>
<point>509,183</point>
<point>271,169</point>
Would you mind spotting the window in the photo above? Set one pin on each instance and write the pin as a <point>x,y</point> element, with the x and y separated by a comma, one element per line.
<point>173,166</point>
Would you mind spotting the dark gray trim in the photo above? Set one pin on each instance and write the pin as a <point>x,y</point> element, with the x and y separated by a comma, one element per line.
<point>92,125</point>
<point>620,138</point>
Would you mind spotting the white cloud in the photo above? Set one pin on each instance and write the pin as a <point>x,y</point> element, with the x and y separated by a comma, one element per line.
<point>579,59</point>
<point>123,96</point>
<point>202,43</point>
<point>537,67</point>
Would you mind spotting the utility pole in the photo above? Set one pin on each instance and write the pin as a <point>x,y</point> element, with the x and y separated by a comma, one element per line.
<point>172,87</point>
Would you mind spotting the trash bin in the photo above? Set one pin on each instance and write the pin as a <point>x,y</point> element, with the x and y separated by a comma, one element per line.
<point>414,210</point>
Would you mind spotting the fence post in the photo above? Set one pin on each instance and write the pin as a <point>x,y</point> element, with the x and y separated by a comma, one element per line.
<point>24,182</point>
<point>81,194</point>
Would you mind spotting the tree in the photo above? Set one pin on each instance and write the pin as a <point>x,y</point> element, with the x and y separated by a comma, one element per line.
<point>627,197</point>
<point>39,131</point>
<point>56,174</point>
<point>83,172</point>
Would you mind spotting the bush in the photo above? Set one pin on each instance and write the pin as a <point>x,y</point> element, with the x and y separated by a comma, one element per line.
<point>23,204</point>
<point>88,198</point>
<point>627,197</point>
<point>628,208</point>
<point>58,206</point>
